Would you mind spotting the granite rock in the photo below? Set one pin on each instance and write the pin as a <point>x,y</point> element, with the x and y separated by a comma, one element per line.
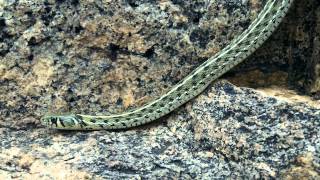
<point>293,50</point>
<point>225,132</point>
<point>97,57</point>
<point>103,57</point>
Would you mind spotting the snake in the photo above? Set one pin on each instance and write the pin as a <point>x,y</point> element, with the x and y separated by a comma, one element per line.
<point>190,86</point>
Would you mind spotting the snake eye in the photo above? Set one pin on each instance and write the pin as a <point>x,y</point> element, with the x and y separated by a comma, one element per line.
<point>49,121</point>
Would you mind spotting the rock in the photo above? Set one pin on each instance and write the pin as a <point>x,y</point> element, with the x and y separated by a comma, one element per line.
<point>98,57</point>
<point>104,57</point>
<point>225,132</point>
<point>293,49</point>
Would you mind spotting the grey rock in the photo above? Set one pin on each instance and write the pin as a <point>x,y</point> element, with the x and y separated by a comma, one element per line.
<point>98,57</point>
<point>293,49</point>
<point>104,57</point>
<point>227,132</point>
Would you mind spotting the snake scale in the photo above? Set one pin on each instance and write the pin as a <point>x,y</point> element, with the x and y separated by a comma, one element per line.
<point>239,49</point>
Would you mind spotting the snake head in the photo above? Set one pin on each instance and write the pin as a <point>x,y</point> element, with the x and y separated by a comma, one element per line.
<point>60,122</point>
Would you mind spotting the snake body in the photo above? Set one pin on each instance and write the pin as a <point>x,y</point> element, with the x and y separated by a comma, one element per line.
<point>239,49</point>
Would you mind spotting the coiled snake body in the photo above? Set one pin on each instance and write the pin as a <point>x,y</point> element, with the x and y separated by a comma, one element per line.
<point>240,48</point>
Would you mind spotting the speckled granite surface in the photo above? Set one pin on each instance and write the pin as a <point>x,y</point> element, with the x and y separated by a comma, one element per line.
<point>105,56</point>
<point>225,132</point>
<point>294,49</point>
<point>108,56</point>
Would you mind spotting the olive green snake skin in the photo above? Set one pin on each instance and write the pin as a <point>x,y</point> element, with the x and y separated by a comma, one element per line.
<point>239,49</point>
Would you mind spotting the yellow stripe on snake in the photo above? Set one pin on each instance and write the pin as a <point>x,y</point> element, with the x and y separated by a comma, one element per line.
<point>239,49</point>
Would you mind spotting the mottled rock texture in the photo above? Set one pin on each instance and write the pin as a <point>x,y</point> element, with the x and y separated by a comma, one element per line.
<point>107,56</point>
<point>225,132</point>
<point>294,49</point>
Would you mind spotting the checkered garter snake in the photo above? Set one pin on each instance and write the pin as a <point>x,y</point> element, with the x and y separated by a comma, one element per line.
<point>239,49</point>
